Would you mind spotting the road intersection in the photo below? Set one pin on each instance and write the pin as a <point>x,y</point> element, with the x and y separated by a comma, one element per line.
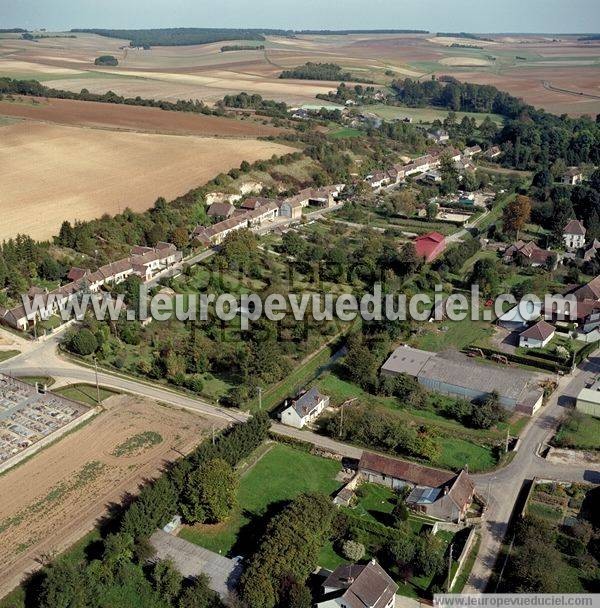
<point>500,487</point>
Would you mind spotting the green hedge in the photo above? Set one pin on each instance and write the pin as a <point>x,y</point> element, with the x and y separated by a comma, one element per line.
<point>548,365</point>
<point>586,351</point>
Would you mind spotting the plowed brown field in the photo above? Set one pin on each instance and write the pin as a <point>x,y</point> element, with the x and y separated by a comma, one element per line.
<point>133,118</point>
<point>51,173</point>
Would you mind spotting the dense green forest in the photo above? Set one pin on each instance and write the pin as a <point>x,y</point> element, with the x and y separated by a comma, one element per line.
<point>255,102</point>
<point>182,36</point>
<point>530,136</point>
<point>320,71</point>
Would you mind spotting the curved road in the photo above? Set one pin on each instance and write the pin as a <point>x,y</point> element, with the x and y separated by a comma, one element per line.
<point>500,487</point>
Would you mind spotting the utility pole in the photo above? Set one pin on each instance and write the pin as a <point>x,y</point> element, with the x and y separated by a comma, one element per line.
<point>97,385</point>
<point>489,492</point>
<point>213,434</point>
<point>449,569</point>
<point>260,398</point>
<point>342,420</point>
<point>507,440</point>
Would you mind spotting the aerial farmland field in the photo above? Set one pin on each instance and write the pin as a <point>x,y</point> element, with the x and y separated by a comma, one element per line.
<point>54,498</point>
<point>52,173</point>
<point>522,65</point>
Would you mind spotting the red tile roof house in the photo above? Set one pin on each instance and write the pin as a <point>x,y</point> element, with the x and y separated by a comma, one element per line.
<point>440,494</point>
<point>359,586</point>
<point>224,210</point>
<point>537,336</point>
<point>430,245</point>
<point>530,254</point>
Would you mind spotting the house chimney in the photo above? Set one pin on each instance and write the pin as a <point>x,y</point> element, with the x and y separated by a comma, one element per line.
<point>445,490</point>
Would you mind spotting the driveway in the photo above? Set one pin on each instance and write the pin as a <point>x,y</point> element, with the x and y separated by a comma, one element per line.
<point>191,560</point>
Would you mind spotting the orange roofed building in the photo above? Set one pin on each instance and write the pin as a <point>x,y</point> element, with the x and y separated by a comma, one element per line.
<point>430,245</point>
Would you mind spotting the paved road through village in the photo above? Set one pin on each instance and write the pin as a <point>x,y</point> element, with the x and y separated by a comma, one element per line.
<point>501,487</point>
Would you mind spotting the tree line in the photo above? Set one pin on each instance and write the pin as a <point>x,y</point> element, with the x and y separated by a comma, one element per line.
<point>11,86</point>
<point>118,570</point>
<point>182,36</point>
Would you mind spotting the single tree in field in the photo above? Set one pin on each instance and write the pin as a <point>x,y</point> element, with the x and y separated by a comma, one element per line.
<point>211,491</point>
<point>516,214</point>
<point>399,513</point>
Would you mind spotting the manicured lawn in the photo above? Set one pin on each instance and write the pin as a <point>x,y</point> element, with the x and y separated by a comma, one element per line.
<point>451,334</point>
<point>85,393</point>
<point>456,453</point>
<point>329,558</point>
<point>376,502</point>
<point>580,431</point>
<point>346,132</point>
<point>282,473</point>
<point>8,354</point>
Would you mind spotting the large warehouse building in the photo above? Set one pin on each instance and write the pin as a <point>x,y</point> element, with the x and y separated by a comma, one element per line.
<point>460,376</point>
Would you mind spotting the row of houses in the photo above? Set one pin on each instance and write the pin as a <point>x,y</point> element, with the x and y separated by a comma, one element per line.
<point>144,262</point>
<point>536,332</point>
<point>257,212</point>
<point>423,164</point>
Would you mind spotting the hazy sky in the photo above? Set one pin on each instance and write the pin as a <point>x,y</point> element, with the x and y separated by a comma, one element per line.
<point>552,16</point>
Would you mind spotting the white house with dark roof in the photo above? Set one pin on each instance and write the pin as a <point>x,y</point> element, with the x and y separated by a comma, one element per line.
<point>537,336</point>
<point>359,586</point>
<point>572,176</point>
<point>574,235</point>
<point>305,409</point>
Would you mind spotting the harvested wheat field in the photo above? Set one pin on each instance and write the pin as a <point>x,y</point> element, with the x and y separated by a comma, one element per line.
<point>133,118</point>
<point>52,500</point>
<point>51,173</point>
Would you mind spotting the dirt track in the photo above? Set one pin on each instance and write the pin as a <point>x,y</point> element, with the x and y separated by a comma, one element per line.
<point>52,500</point>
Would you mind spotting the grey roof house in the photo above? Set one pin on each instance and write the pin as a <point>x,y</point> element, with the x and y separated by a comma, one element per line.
<point>305,409</point>
<point>359,586</point>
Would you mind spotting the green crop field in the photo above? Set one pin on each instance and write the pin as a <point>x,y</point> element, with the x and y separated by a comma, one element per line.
<point>426,115</point>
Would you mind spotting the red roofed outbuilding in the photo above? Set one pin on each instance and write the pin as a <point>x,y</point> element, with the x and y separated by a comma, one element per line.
<point>430,245</point>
